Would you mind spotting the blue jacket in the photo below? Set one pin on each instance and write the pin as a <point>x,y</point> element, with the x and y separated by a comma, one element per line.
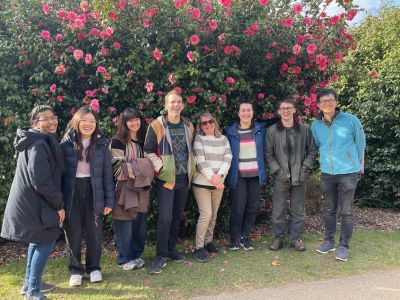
<point>234,140</point>
<point>341,146</point>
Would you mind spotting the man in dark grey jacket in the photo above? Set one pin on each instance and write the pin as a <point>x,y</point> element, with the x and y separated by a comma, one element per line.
<point>290,153</point>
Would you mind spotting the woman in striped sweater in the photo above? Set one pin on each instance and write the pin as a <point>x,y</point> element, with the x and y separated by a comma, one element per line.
<point>213,159</point>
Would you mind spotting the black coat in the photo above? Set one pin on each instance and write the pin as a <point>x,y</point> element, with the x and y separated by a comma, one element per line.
<point>100,173</point>
<point>35,196</point>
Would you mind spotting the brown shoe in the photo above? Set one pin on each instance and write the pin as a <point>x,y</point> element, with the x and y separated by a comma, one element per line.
<point>298,245</point>
<point>276,244</point>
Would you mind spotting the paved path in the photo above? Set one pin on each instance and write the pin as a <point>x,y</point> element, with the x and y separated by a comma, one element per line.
<point>379,285</point>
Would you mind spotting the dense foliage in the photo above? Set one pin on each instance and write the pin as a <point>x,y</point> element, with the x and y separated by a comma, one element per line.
<point>129,53</point>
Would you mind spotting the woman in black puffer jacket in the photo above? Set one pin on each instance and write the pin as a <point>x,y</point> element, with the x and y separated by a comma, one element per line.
<point>88,192</point>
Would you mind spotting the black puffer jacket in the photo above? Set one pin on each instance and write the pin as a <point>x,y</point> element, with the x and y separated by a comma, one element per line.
<point>100,173</point>
<point>35,196</point>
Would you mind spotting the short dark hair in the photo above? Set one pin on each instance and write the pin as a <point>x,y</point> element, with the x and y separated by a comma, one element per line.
<point>327,92</point>
<point>38,109</point>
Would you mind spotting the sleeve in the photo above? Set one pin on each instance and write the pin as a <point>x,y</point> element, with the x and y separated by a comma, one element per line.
<point>202,164</point>
<point>41,178</point>
<point>117,150</point>
<point>224,169</point>
<point>311,150</point>
<point>317,143</point>
<point>272,163</point>
<point>359,137</point>
<point>108,182</point>
<point>150,149</point>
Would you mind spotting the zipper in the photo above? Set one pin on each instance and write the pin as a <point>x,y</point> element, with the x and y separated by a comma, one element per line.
<point>330,145</point>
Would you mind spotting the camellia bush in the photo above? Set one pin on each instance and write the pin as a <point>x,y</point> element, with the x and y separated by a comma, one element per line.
<point>116,54</point>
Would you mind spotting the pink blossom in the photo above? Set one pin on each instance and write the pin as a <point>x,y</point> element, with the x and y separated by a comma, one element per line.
<point>104,90</point>
<point>59,37</point>
<point>95,32</point>
<point>105,51</point>
<point>122,4</point>
<point>72,16</point>
<point>149,86</point>
<point>190,56</point>
<point>95,15</point>
<point>60,69</point>
<point>213,24</point>
<point>334,78</point>
<point>196,13</point>
<point>230,80</point>
<point>268,55</point>
<point>297,8</point>
<point>196,89</point>
<point>274,44</point>
<point>171,78</point>
<point>206,48</point>
<point>194,39</point>
<point>296,49</point>
<point>159,94</point>
<point>115,120</point>
<point>117,45</point>
<point>45,35</point>
<point>263,2</point>
<point>88,59</point>
<point>260,96</point>
<point>228,50</point>
<point>307,20</point>
<point>101,69</point>
<point>130,72</point>
<point>351,14</point>
<point>146,23</point>
<point>46,8</point>
<point>208,8</point>
<point>338,56</point>
<point>287,22</point>
<point>148,120</point>
<point>61,14</point>
<point>79,23</point>
<point>191,99</point>
<point>254,27</point>
<point>60,98</point>
<point>321,59</point>
<point>311,49</point>
<point>156,54</point>
<point>225,3</point>
<point>106,75</point>
<point>291,60</point>
<point>268,116</point>
<point>95,105</point>
<point>373,73</point>
<point>53,88</point>
<point>113,16</point>
<point>334,20</point>
<point>284,67</point>
<point>111,109</point>
<point>78,54</point>
<point>84,5</point>
<point>91,93</point>
<point>178,89</point>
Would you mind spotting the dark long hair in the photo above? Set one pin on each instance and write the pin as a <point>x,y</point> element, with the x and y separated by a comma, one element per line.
<point>74,125</point>
<point>254,112</point>
<point>123,131</point>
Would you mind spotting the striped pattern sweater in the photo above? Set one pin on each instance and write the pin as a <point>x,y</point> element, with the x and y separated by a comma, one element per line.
<point>213,156</point>
<point>248,166</point>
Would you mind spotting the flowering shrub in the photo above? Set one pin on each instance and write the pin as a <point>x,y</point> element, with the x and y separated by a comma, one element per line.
<point>130,53</point>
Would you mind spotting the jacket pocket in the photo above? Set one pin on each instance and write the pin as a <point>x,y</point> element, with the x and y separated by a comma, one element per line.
<point>49,217</point>
<point>304,174</point>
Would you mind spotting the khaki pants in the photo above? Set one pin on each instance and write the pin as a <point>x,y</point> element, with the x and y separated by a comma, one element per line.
<point>208,202</point>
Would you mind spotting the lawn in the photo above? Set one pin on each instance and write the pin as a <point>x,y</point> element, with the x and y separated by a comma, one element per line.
<point>230,271</point>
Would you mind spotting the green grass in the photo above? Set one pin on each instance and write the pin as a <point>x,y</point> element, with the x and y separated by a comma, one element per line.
<point>229,272</point>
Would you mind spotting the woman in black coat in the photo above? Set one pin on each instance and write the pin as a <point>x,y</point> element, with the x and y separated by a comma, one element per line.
<point>88,192</point>
<point>34,209</point>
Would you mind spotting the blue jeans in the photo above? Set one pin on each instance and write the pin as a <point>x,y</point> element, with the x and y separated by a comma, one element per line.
<point>338,191</point>
<point>131,237</point>
<point>36,262</point>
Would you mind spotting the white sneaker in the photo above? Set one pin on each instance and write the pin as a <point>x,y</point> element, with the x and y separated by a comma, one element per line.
<point>75,280</point>
<point>139,263</point>
<point>129,265</point>
<point>95,276</point>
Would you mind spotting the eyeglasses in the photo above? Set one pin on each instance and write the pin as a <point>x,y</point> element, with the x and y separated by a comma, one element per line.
<point>88,121</point>
<point>285,108</point>
<point>209,122</point>
<point>327,101</point>
<point>46,120</point>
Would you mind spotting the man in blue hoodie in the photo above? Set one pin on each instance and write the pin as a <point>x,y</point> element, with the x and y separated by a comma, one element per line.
<point>340,138</point>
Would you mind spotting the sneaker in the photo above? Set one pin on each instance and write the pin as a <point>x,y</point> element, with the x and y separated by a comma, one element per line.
<point>245,242</point>
<point>44,287</point>
<point>200,254</point>
<point>95,276</point>
<point>158,264</point>
<point>234,246</point>
<point>342,253</point>
<point>33,297</point>
<point>176,256</point>
<point>298,245</point>
<point>276,244</point>
<point>210,247</point>
<point>326,247</point>
<point>130,265</point>
<point>139,263</point>
<point>75,280</point>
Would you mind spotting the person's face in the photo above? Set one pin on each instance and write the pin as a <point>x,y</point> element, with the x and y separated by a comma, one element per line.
<point>207,125</point>
<point>87,125</point>
<point>327,104</point>
<point>286,111</point>
<point>174,105</point>
<point>133,125</point>
<point>46,121</point>
<point>246,112</point>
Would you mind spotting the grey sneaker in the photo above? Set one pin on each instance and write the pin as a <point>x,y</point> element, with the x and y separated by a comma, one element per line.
<point>245,242</point>
<point>158,264</point>
<point>326,247</point>
<point>139,263</point>
<point>342,253</point>
<point>44,287</point>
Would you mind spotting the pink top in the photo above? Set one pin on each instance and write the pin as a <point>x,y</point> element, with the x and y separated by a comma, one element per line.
<point>83,168</point>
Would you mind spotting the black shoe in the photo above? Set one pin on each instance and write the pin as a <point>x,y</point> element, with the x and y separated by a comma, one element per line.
<point>245,242</point>
<point>176,256</point>
<point>298,245</point>
<point>234,245</point>
<point>276,244</point>
<point>210,247</point>
<point>44,287</point>
<point>158,264</point>
<point>200,254</point>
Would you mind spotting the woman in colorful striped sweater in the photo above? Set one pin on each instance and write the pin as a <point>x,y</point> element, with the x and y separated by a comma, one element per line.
<point>213,159</point>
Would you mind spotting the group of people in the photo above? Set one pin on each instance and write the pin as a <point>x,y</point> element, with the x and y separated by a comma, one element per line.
<point>75,183</point>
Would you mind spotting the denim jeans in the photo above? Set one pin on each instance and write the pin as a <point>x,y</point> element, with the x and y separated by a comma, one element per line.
<point>131,237</point>
<point>171,204</point>
<point>282,192</point>
<point>37,257</point>
<point>243,207</point>
<point>338,191</point>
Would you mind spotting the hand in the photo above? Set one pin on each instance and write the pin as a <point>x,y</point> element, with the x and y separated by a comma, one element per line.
<point>216,180</point>
<point>61,214</point>
<point>106,210</point>
<point>220,186</point>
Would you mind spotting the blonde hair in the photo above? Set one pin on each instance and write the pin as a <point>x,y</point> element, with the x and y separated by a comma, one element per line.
<point>217,131</point>
<point>173,92</point>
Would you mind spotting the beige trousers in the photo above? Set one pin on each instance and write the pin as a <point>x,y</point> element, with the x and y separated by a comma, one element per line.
<point>208,202</point>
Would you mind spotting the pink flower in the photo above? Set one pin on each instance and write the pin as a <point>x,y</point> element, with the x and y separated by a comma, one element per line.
<point>101,69</point>
<point>311,49</point>
<point>296,49</point>
<point>191,99</point>
<point>190,56</point>
<point>254,27</point>
<point>60,98</point>
<point>321,59</point>
<point>117,45</point>
<point>334,20</point>
<point>351,14</point>
<point>338,56</point>
<point>156,54</point>
<point>146,23</point>
<point>115,120</point>
<point>263,2</point>
<point>130,72</point>
<point>53,88</point>
<point>88,59</point>
<point>178,89</point>
<point>59,37</point>
<point>287,22</point>
<point>225,3</point>
<point>149,86</point>
<point>268,55</point>
<point>95,105</point>
<point>274,44</point>
<point>60,69</point>
<point>111,109</point>
<point>334,78</point>
<point>45,35</point>
<point>95,32</point>
<point>61,14</point>
<point>213,24</point>
<point>194,39</point>
<point>95,15</point>
<point>91,93</point>
<point>260,96</point>
<point>104,90</point>
<point>105,51</point>
<point>373,73</point>
<point>297,8</point>
<point>84,5</point>
<point>78,54</point>
<point>307,20</point>
<point>148,120</point>
<point>106,75</point>
<point>46,8</point>
<point>284,67</point>
<point>230,80</point>
<point>208,8</point>
<point>196,13</point>
<point>171,78</point>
